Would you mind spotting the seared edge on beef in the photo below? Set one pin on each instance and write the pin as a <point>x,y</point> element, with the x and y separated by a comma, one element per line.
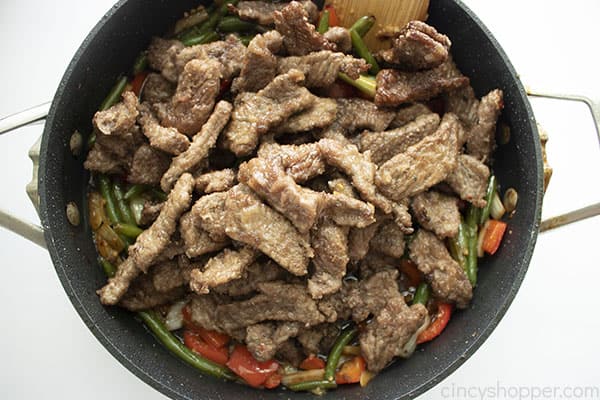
<point>260,63</point>
<point>481,140</point>
<point>388,240</point>
<point>216,181</point>
<point>437,212</point>
<point>162,138</point>
<point>265,339</point>
<point>469,180</point>
<point>148,166</point>
<point>118,119</point>
<point>222,268</point>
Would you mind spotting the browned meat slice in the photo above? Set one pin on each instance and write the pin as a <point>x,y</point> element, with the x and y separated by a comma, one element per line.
<point>407,114</point>
<point>260,63</point>
<point>396,87</point>
<point>171,274</point>
<point>111,154</point>
<point>150,212</point>
<point>371,295</point>
<point>118,119</point>
<point>385,145</point>
<point>422,165</point>
<point>229,54</point>
<point>250,221</point>
<point>168,140</point>
<point>262,11</point>
<point>194,99</point>
<point>469,180</point>
<point>348,211</point>
<point>330,244</point>
<point>393,332</point>
<point>256,273</point>
<point>354,114</point>
<point>209,214</point>
<point>301,162</point>
<point>148,166</point>
<point>464,104</point>
<point>318,339</point>
<point>322,68</point>
<point>359,240</point>
<point>290,353</point>
<point>437,212</point>
<point>268,179</point>
<point>158,52</point>
<point>256,113</point>
<point>374,263</point>
<point>216,181</point>
<point>343,186</point>
<point>341,37</point>
<point>448,280</point>
<point>402,217</point>
<point>224,267</point>
<point>150,243</point>
<point>196,240</point>
<point>320,115</point>
<point>264,339</point>
<point>201,144</point>
<point>358,167</point>
<point>299,35</point>
<point>481,140</point>
<point>334,306</point>
<point>203,311</point>
<point>157,89</point>
<point>389,240</point>
<point>419,46</point>
<point>277,301</point>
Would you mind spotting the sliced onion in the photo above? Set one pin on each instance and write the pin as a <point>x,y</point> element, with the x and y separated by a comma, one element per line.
<point>480,237</point>
<point>497,208</point>
<point>174,318</point>
<point>411,344</point>
<point>303,376</point>
<point>96,208</point>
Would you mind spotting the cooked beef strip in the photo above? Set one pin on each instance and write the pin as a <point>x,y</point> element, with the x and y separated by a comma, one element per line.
<point>257,272</point>
<point>423,164</point>
<point>354,114</point>
<point>437,212</point>
<point>250,221</point>
<point>277,301</point>
<point>300,37</point>
<point>386,144</point>
<point>201,144</point>
<point>334,306</point>
<point>165,139</point>
<point>260,63</point>
<point>389,240</point>
<point>407,114</point>
<point>268,179</point>
<point>371,295</point>
<point>464,104</point>
<point>150,212</point>
<point>262,11</point>
<point>148,166</point>
<point>374,263</point>
<point>222,268</point>
<point>358,167</point>
<point>216,181</point>
<point>151,242</point>
<point>229,53</point>
<point>209,214</point>
<point>396,87</point>
<point>255,113</point>
<point>264,339</point>
<point>142,295</point>
<point>448,280</point>
<point>419,46</point>
<point>343,186</point>
<point>194,99</point>
<point>330,244</point>
<point>301,162</point>
<point>322,68</point>
<point>290,352</point>
<point>171,274</point>
<point>481,140</point>
<point>113,154</point>
<point>118,119</point>
<point>196,240</point>
<point>203,311</point>
<point>402,217</point>
<point>348,211</point>
<point>469,180</point>
<point>157,89</point>
<point>391,333</point>
<point>359,240</point>
<point>320,115</point>
<point>158,52</point>
<point>318,339</point>
<point>341,37</point>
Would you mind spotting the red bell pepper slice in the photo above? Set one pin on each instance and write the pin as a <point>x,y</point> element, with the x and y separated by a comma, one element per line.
<point>254,372</point>
<point>138,81</point>
<point>273,381</point>
<point>193,341</point>
<point>437,326</point>
<point>351,371</point>
<point>312,362</point>
<point>333,18</point>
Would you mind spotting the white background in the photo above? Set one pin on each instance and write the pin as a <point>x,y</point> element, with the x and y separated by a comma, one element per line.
<point>550,335</point>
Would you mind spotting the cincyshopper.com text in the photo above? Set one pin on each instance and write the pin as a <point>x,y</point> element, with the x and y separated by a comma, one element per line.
<point>523,392</point>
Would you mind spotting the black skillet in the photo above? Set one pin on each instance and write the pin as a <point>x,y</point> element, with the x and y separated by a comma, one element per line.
<point>110,49</point>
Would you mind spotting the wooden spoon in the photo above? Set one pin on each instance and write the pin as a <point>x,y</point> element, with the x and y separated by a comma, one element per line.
<point>391,16</point>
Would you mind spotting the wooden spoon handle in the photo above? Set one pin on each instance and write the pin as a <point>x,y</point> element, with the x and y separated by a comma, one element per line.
<point>390,15</point>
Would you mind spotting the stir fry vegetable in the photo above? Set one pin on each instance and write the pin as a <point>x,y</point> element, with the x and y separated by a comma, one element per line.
<point>437,326</point>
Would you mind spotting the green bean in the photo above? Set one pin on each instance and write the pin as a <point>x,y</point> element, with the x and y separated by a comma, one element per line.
<point>471,224</point>
<point>159,194</point>
<point>366,84</point>
<point>459,245</point>
<point>140,64</point>
<point>195,29</point>
<point>422,294</point>
<point>128,230</point>
<point>201,39</point>
<point>213,19</point>
<point>324,22</point>
<point>124,210</point>
<point>246,39</point>
<point>176,347</point>
<point>344,339</point>
<point>312,385</point>
<point>233,24</point>
<point>115,94</point>
<point>134,191</point>
<point>108,268</point>
<point>485,211</point>
<point>363,25</point>
<point>362,50</point>
<point>107,193</point>
<point>91,140</point>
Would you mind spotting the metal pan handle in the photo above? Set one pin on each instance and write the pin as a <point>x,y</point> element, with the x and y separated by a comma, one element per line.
<point>591,210</point>
<point>29,231</point>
